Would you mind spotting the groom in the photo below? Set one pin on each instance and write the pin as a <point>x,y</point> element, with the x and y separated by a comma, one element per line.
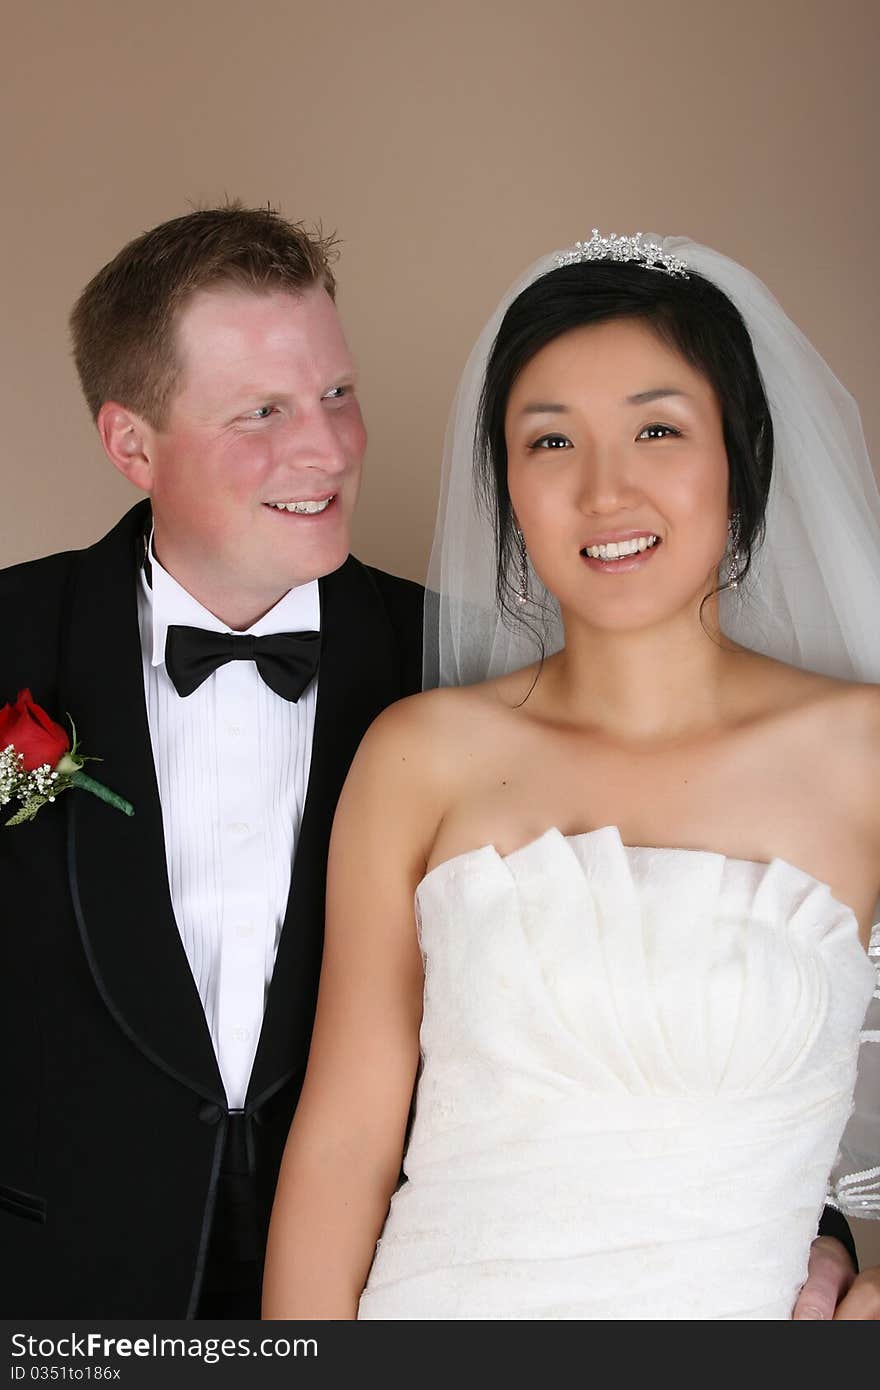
<point>160,971</point>
<point>223,654</point>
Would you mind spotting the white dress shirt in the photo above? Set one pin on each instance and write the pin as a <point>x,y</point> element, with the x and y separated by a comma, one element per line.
<point>232,762</point>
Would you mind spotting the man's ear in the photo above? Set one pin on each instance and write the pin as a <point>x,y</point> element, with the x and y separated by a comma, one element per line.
<point>128,443</point>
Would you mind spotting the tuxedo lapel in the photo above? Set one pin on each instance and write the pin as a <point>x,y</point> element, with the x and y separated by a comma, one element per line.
<point>358,676</point>
<point>118,873</point>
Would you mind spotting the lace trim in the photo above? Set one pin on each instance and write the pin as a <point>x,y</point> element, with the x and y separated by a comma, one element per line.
<point>855,1182</point>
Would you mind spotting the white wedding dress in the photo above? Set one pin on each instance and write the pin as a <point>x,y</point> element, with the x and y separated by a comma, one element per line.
<point>637,1065</point>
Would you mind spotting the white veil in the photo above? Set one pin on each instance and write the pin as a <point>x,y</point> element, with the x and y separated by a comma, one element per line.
<point>812,596</point>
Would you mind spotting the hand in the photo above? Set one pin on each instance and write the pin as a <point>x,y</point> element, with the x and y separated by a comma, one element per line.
<point>834,1290</point>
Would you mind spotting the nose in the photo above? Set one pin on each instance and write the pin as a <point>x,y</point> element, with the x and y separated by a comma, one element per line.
<point>316,444</point>
<point>606,484</point>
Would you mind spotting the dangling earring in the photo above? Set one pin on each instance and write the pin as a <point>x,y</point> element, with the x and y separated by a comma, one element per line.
<point>735,556</point>
<point>522,593</point>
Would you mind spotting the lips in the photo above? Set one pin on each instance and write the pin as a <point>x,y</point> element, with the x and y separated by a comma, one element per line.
<point>621,547</point>
<point>302,506</point>
<point>622,552</point>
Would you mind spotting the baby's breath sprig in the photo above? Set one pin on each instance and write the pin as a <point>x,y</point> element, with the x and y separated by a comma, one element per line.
<point>34,788</point>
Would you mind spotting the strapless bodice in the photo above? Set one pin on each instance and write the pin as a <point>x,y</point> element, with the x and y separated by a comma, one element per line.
<point>636,1067</point>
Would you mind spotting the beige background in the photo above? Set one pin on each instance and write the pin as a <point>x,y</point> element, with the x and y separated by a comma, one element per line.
<point>449,145</point>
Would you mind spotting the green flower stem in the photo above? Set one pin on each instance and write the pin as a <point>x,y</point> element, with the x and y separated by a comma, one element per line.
<point>88,784</point>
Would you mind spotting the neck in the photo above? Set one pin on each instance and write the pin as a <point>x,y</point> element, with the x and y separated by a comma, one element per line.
<point>233,606</point>
<point>657,683</point>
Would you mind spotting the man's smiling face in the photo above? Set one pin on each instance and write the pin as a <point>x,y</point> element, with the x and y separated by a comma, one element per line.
<point>255,472</point>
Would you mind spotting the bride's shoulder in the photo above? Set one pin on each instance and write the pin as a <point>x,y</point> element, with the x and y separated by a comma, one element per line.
<point>827,698</point>
<point>790,689</point>
<point>430,741</point>
<point>838,721</point>
<point>425,728</point>
<point>848,714</point>
<point>450,711</point>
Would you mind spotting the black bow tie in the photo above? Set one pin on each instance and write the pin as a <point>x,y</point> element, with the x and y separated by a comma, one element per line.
<point>287,661</point>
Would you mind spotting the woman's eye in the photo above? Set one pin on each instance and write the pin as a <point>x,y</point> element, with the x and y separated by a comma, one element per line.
<point>551,441</point>
<point>658,432</point>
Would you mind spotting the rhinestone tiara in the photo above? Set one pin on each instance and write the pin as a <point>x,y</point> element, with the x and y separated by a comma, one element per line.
<point>648,254</point>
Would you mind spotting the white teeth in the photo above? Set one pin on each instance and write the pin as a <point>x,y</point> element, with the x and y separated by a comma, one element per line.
<point>619,550</point>
<point>304,508</point>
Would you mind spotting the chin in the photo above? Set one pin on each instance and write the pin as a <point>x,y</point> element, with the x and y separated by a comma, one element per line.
<point>328,558</point>
<point>316,565</point>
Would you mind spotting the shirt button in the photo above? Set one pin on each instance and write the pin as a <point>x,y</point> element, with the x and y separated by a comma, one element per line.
<point>240,1034</point>
<point>239,827</point>
<point>244,932</point>
<point>233,730</point>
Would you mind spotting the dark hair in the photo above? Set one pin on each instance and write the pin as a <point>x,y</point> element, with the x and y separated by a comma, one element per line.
<point>691,315</point>
<point>123,324</point>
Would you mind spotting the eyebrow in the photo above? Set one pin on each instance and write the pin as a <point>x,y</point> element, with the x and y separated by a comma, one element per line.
<point>639,398</point>
<point>545,408</point>
<point>645,397</point>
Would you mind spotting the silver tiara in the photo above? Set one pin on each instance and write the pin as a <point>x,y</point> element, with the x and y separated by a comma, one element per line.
<point>623,248</point>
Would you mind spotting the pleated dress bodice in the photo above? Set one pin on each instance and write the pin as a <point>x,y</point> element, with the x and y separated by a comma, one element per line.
<point>636,1068</point>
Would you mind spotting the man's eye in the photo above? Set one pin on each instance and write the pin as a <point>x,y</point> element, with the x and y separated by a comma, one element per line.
<point>262,412</point>
<point>659,432</point>
<point>336,393</point>
<point>551,441</point>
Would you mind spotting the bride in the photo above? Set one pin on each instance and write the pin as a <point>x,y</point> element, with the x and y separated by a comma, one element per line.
<point>639,823</point>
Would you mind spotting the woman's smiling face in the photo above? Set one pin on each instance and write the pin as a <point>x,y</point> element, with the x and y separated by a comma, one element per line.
<point>618,475</point>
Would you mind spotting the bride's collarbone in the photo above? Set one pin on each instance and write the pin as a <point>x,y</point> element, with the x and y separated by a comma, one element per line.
<point>809,746</point>
<point>777,791</point>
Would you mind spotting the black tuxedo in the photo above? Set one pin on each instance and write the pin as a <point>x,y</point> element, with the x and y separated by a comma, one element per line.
<point>114,1112</point>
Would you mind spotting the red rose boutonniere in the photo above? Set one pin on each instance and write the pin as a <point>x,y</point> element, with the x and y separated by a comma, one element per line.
<point>38,760</point>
